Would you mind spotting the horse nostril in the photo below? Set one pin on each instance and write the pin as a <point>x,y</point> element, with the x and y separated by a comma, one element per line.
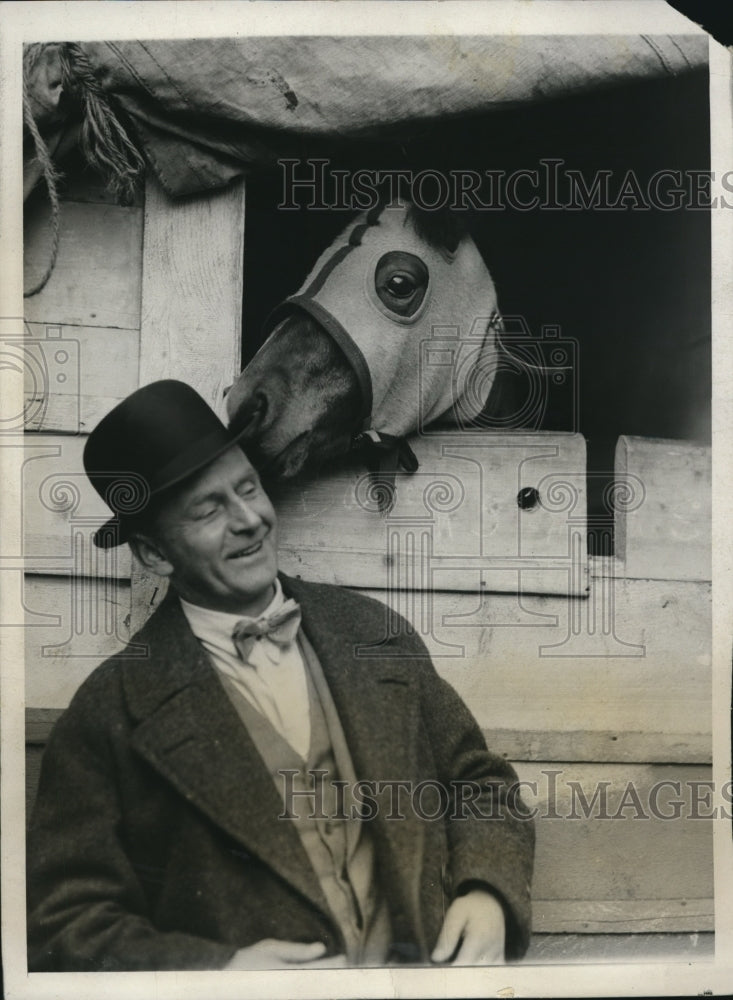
<point>226,391</point>
<point>250,416</point>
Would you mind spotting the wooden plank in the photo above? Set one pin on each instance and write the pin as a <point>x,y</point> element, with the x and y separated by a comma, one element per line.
<point>567,747</point>
<point>643,916</point>
<point>193,255</point>
<point>92,623</point>
<point>98,368</point>
<point>652,708</point>
<point>595,875</point>
<point>530,665</point>
<point>33,758</point>
<point>618,848</point>
<point>66,414</point>
<point>38,724</point>
<point>609,746</point>
<point>96,280</point>
<point>663,526</point>
<point>488,542</point>
<point>457,523</point>
<point>588,851</point>
<point>192,289</point>
<point>567,948</point>
<point>61,511</point>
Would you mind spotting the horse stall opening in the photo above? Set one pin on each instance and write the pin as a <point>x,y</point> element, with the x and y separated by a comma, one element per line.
<point>623,285</point>
<point>585,663</point>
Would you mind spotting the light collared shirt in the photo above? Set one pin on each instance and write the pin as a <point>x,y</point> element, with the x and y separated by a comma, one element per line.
<point>279,690</point>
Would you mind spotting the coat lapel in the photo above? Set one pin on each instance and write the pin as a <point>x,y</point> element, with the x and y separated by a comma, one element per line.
<point>189,731</point>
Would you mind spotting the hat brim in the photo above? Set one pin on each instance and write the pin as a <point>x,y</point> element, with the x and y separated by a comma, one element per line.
<point>118,529</point>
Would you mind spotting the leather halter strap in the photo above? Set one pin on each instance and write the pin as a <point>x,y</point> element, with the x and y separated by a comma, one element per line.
<point>339,335</point>
<point>342,338</point>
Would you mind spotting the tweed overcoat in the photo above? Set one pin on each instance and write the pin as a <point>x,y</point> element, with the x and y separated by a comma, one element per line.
<point>155,843</point>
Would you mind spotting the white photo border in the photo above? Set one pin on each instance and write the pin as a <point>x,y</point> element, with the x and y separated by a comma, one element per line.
<point>25,22</point>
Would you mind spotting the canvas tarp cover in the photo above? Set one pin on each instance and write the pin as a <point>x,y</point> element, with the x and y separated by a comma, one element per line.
<point>206,110</point>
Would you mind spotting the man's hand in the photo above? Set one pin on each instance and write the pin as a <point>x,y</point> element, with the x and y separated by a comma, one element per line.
<point>272,954</point>
<point>475,926</point>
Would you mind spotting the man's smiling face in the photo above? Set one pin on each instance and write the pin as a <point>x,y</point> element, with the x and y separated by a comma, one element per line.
<point>217,536</point>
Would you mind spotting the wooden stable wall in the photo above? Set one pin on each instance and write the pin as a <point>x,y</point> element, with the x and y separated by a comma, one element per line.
<point>140,293</point>
<point>580,671</point>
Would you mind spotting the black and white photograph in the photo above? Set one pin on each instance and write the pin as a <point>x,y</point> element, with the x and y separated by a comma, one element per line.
<point>366,605</point>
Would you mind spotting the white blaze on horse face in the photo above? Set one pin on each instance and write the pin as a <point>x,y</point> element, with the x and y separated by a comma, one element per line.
<point>439,362</point>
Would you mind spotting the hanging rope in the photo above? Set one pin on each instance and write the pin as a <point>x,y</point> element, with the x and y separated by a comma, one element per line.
<point>104,141</point>
<point>50,174</point>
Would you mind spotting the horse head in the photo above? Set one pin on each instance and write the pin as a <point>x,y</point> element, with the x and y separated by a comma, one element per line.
<point>395,328</point>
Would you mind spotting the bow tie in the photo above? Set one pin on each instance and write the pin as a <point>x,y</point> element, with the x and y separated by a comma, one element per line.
<point>281,628</point>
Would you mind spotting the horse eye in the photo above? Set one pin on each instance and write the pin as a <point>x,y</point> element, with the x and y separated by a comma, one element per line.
<point>401,285</point>
<point>401,280</point>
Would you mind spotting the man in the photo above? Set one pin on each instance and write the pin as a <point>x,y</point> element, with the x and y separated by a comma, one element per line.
<point>224,793</point>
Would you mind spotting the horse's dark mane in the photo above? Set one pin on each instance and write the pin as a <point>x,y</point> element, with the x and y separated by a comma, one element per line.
<point>441,228</point>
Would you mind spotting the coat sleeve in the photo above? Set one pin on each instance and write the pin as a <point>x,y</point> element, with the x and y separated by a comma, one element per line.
<point>86,908</point>
<point>490,831</point>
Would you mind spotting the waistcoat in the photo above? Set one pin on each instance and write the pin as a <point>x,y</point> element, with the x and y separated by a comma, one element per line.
<point>338,846</point>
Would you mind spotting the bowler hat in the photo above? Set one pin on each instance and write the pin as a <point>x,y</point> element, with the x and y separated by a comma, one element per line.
<point>155,438</point>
